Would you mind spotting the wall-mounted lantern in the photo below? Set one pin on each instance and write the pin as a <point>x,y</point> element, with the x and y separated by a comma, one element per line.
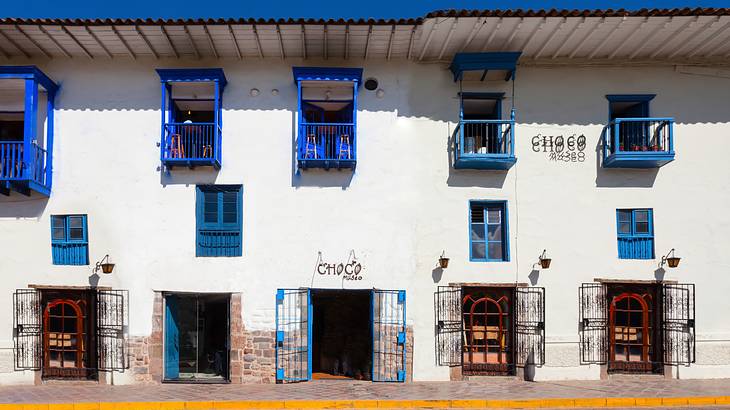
<point>104,265</point>
<point>544,260</point>
<point>671,261</point>
<point>443,261</point>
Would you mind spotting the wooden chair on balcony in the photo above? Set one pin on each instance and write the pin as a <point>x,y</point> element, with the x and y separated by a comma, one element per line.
<point>311,147</point>
<point>345,151</point>
<point>177,150</point>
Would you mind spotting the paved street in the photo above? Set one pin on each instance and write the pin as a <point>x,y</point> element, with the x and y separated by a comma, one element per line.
<point>492,390</point>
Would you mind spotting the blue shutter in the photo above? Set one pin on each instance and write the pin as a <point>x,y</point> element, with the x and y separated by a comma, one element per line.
<point>219,215</point>
<point>69,240</point>
<point>635,231</point>
<point>488,231</point>
<point>172,339</point>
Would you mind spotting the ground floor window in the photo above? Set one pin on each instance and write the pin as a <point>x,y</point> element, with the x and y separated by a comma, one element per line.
<point>488,330</point>
<point>67,333</point>
<point>637,327</point>
<point>70,332</point>
<point>196,339</point>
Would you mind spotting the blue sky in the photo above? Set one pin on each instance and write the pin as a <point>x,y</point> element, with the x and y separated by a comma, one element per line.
<point>307,8</point>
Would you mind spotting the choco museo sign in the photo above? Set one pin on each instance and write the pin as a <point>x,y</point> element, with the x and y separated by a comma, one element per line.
<point>349,270</point>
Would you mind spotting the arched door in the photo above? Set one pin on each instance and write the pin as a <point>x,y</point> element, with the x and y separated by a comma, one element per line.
<point>487,332</point>
<point>64,334</point>
<point>630,328</point>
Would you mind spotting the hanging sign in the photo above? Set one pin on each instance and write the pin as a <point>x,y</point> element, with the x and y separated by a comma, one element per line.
<point>350,270</point>
<point>559,148</point>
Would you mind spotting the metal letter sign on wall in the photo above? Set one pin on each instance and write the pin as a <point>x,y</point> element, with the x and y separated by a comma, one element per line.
<point>350,270</point>
<point>559,148</point>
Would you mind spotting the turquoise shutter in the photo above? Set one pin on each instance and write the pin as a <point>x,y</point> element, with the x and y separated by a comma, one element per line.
<point>219,212</point>
<point>172,339</point>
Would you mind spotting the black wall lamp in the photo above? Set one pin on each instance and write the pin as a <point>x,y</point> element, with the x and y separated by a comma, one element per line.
<point>443,261</point>
<point>544,260</point>
<point>105,267</point>
<point>671,261</point>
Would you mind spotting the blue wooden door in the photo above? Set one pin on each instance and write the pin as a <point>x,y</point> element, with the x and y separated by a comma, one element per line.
<point>293,335</point>
<point>172,338</point>
<point>388,319</point>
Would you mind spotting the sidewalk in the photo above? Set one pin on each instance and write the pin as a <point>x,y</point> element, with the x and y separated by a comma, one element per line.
<point>494,393</point>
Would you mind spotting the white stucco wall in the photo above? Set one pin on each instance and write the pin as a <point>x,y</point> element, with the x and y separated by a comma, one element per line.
<point>398,211</point>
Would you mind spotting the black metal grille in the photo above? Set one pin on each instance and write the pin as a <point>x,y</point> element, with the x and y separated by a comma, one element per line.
<point>112,326</point>
<point>530,326</point>
<point>27,329</point>
<point>678,324</point>
<point>593,325</point>
<point>449,330</point>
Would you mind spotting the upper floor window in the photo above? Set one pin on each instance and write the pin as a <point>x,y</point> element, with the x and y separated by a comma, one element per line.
<point>26,130</point>
<point>489,231</point>
<point>483,139</point>
<point>191,116</point>
<point>327,101</point>
<point>635,233</point>
<point>219,220</point>
<point>69,240</point>
<point>633,138</point>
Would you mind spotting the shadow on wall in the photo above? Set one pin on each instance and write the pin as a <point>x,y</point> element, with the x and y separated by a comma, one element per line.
<point>321,178</point>
<point>20,206</point>
<point>470,177</point>
<point>621,177</point>
<point>188,176</point>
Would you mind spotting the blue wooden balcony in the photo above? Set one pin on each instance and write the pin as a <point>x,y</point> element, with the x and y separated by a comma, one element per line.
<point>327,145</point>
<point>484,144</point>
<point>191,144</point>
<point>23,173</point>
<point>638,143</point>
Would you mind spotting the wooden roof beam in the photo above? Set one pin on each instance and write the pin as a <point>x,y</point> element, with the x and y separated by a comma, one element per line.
<point>448,38</point>
<point>35,44</point>
<point>78,43</point>
<point>146,41</point>
<point>169,41</point>
<point>235,42</point>
<point>126,46</point>
<point>428,40</point>
<point>586,37</point>
<point>476,28</point>
<point>258,41</point>
<point>489,39</point>
<point>14,44</point>
<point>549,38</point>
<point>210,41</point>
<point>606,38</point>
<point>648,38</point>
<point>192,43</point>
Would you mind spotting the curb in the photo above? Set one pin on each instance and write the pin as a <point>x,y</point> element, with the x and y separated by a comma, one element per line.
<point>379,404</point>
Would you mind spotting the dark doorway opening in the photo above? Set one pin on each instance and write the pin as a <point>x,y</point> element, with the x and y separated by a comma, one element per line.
<point>69,334</point>
<point>341,334</point>
<point>196,337</point>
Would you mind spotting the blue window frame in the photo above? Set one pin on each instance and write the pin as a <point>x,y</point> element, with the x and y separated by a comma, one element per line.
<point>26,145</point>
<point>219,220</point>
<point>69,240</point>
<point>635,233</point>
<point>488,231</point>
<point>191,111</point>
<point>327,107</point>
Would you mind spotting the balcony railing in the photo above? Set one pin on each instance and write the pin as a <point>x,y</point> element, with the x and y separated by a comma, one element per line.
<point>15,169</point>
<point>326,145</point>
<point>484,144</point>
<point>191,144</point>
<point>638,142</point>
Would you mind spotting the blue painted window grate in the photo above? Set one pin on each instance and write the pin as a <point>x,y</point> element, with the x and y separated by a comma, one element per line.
<point>219,220</point>
<point>69,240</point>
<point>488,231</point>
<point>635,233</point>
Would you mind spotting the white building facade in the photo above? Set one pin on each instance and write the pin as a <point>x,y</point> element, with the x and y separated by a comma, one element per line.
<point>460,196</point>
